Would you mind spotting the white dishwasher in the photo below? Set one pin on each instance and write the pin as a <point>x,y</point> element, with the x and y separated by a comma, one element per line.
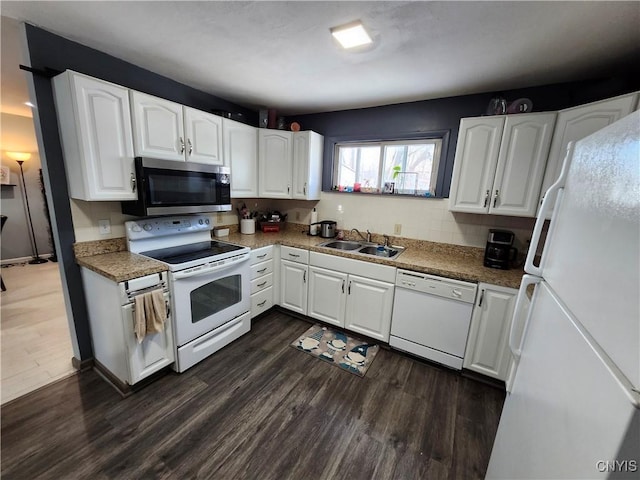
<point>431,317</point>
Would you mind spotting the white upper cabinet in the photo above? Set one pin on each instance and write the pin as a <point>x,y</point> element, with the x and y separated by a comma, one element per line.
<point>289,164</point>
<point>203,133</point>
<point>275,160</point>
<point>521,163</point>
<point>167,130</point>
<point>574,124</point>
<point>307,165</point>
<point>95,129</point>
<point>500,163</point>
<point>158,127</point>
<point>475,164</point>
<point>240,143</point>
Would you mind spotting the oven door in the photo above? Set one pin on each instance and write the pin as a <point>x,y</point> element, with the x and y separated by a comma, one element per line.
<point>208,298</point>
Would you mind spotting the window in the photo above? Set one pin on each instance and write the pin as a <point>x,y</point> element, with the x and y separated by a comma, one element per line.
<point>404,167</point>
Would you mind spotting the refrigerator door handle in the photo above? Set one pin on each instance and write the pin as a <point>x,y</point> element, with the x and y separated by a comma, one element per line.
<point>516,350</point>
<point>547,204</point>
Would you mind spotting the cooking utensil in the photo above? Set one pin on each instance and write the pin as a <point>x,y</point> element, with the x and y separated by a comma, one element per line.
<point>327,228</point>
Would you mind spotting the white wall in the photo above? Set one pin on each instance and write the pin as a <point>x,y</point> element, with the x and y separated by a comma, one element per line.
<point>423,219</point>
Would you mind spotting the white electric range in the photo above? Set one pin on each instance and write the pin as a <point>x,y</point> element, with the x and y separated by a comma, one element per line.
<point>208,281</point>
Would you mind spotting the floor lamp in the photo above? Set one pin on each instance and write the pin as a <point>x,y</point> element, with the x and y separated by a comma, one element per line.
<point>20,158</point>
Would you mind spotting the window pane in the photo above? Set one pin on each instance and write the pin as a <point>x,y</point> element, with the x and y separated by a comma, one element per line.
<point>410,165</point>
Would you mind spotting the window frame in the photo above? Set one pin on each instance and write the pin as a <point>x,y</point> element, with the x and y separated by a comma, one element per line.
<point>437,178</point>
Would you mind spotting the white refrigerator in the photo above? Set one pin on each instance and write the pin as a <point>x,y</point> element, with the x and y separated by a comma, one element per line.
<point>573,407</point>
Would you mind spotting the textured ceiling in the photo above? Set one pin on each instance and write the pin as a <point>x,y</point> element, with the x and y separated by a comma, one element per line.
<point>280,54</point>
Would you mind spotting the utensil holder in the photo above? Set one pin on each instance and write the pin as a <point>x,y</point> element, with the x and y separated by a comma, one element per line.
<point>247,226</point>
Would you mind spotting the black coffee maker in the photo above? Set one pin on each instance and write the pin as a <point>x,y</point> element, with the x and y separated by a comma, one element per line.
<point>499,252</point>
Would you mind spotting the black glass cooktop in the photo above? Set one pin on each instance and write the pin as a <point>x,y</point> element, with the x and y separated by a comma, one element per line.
<point>192,251</point>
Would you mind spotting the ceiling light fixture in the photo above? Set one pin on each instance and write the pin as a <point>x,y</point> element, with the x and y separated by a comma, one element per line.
<point>351,35</point>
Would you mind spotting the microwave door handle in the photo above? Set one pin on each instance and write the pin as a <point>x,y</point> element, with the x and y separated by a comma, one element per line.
<point>208,270</point>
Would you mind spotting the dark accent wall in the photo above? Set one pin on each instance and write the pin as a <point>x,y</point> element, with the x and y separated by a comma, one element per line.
<point>409,119</point>
<point>47,50</point>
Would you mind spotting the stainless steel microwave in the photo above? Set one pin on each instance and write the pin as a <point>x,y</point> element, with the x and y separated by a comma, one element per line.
<point>168,187</point>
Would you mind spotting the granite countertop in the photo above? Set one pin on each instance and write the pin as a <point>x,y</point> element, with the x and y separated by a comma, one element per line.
<point>110,258</point>
<point>451,261</point>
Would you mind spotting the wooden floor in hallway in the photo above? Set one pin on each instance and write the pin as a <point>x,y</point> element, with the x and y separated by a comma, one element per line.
<point>35,341</point>
<point>258,409</point>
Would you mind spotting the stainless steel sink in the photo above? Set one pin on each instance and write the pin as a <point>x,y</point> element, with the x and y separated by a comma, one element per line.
<point>389,252</point>
<point>364,248</point>
<point>341,245</point>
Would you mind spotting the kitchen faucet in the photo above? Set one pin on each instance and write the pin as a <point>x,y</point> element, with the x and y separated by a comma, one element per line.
<point>386,240</point>
<point>368,237</point>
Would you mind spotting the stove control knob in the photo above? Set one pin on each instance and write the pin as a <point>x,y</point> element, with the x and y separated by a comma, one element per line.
<point>206,221</point>
<point>200,221</point>
<point>135,228</point>
<point>147,227</point>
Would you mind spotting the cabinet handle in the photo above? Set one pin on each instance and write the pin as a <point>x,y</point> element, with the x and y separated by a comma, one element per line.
<point>304,277</point>
<point>495,199</point>
<point>168,308</point>
<point>133,182</point>
<point>261,284</point>
<point>486,197</point>
<point>294,255</point>
<point>342,286</point>
<point>542,199</point>
<point>349,289</point>
<point>481,298</point>
<point>304,189</point>
<point>261,256</point>
<point>261,304</point>
<point>288,188</point>
<point>263,270</point>
<point>190,146</point>
<point>181,145</point>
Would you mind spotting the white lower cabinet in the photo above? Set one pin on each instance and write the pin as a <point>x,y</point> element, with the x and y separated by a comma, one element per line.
<point>261,280</point>
<point>294,269</point>
<point>487,349</point>
<point>111,318</point>
<point>357,297</point>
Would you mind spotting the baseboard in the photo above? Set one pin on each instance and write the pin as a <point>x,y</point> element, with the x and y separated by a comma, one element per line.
<point>82,365</point>
<point>20,260</point>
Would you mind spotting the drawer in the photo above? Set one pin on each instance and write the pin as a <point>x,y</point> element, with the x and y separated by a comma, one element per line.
<point>294,254</point>
<point>261,254</point>
<point>261,283</point>
<point>262,268</point>
<point>261,301</point>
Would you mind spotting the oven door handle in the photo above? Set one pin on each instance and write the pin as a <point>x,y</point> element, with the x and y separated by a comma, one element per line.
<point>208,270</point>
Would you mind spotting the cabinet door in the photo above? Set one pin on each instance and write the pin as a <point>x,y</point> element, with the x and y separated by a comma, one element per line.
<point>521,163</point>
<point>574,124</point>
<point>95,127</point>
<point>158,127</point>
<point>487,349</point>
<point>154,353</point>
<point>327,295</point>
<point>293,286</point>
<point>369,306</point>
<point>475,164</point>
<point>241,155</point>
<point>203,133</point>
<point>275,155</point>
<point>307,165</point>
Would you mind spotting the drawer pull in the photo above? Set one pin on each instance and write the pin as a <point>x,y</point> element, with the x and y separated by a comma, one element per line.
<point>261,304</point>
<point>261,256</point>
<point>294,255</point>
<point>261,284</point>
<point>261,271</point>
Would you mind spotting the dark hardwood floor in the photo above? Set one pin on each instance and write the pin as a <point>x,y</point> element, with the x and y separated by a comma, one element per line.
<point>258,409</point>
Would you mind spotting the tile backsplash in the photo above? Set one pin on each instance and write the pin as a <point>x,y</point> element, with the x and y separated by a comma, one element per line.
<point>423,219</point>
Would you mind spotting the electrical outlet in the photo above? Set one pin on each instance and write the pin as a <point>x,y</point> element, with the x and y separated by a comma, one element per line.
<point>397,229</point>
<point>104,226</point>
